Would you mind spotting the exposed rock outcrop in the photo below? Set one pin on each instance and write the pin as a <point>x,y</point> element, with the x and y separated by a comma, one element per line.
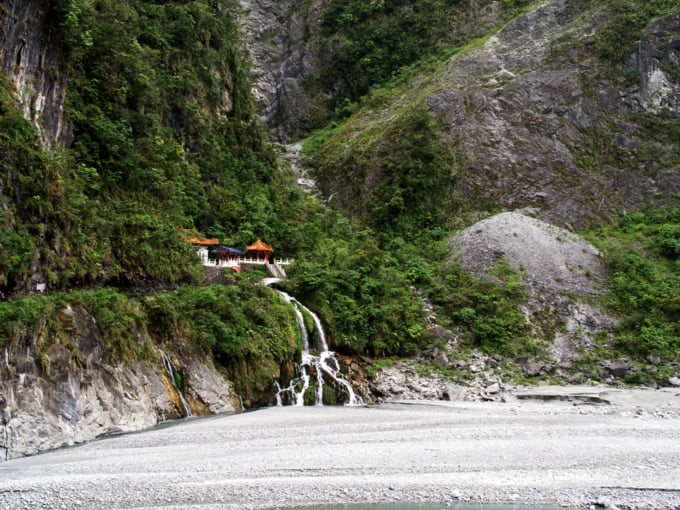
<point>283,41</point>
<point>30,57</point>
<point>538,125</point>
<point>58,392</point>
<point>534,119</point>
<point>658,58</point>
<point>405,381</point>
<point>558,269</point>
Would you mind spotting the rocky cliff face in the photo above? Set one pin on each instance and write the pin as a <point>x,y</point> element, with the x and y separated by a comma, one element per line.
<point>30,57</point>
<point>658,59</point>
<point>534,119</point>
<point>58,392</point>
<point>284,45</point>
<point>537,124</point>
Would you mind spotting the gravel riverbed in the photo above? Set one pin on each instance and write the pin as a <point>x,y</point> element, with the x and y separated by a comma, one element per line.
<point>623,454</point>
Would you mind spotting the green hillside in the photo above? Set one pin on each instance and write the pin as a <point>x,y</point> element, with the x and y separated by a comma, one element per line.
<point>165,137</point>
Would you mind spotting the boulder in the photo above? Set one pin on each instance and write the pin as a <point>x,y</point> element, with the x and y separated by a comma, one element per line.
<point>618,368</point>
<point>532,367</point>
<point>493,389</point>
<point>453,392</point>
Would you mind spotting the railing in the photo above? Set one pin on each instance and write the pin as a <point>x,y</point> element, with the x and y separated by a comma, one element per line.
<point>239,262</point>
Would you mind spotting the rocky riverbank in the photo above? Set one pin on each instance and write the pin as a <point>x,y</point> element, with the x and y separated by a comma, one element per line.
<point>619,450</point>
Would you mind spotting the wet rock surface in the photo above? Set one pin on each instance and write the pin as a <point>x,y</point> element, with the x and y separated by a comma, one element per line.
<point>285,49</point>
<point>53,396</point>
<point>30,57</point>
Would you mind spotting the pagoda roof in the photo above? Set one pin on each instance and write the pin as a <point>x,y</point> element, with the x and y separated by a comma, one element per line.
<point>200,241</point>
<point>259,246</point>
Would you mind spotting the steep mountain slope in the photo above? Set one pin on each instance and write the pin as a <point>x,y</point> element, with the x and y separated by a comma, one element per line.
<point>568,114</point>
<point>145,125</point>
<point>532,117</point>
<point>123,123</point>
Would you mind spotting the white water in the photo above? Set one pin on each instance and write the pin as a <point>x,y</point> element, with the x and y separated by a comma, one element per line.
<point>170,369</point>
<point>323,363</point>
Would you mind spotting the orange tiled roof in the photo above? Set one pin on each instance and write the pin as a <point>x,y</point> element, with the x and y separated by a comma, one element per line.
<point>203,242</point>
<point>259,246</point>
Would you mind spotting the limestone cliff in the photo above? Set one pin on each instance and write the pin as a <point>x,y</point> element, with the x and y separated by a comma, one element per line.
<point>284,46</point>
<point>63,391</point>
<point>30,57</point>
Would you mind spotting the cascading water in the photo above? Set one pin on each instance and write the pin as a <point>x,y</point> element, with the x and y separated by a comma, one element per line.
<point>170,369</point>
<point>323,363</point>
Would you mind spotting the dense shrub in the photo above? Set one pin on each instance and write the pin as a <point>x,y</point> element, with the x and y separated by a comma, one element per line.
<point>626,21</point>
<point>362,294</point>
<point>641,252</point>
<point>396,178</point>
<point>486,310</point>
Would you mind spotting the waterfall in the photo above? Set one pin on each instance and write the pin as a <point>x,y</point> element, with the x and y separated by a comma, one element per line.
<point>170,369</point>
<point>323,363</point>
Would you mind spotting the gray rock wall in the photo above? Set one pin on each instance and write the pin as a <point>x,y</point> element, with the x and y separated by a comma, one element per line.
<point>537,124</point>
<point>284,47</point>
<point>30,57</point>
<point>658,60</point>
<point>61,392</point>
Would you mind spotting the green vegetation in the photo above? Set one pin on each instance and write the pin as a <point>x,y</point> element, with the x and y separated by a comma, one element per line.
<point>626,21</point>
<point>248,329</point>
<point>370,42</point>
<point>406,171</point>
<point>165,137</point>
<point>31,191</point>
<point>643,253</point>
<point>486,310</point>
<point>361,293</point>
<point>390,166</point>
<point>370,301</point>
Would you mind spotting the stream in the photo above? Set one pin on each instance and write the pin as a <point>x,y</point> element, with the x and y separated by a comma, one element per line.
<point>172,375</point>
<point>317,361</point>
